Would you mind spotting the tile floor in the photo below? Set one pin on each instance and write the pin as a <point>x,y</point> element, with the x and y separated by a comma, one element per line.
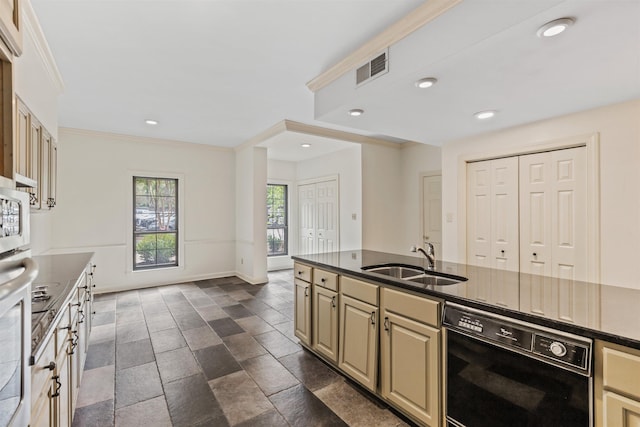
<point>216,352</point>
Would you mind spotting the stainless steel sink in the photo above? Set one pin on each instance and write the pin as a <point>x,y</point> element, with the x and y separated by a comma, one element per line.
<point>415,274</point>
<point>399,271</point>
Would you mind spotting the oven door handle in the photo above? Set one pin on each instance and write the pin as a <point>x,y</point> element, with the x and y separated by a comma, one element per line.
<point>25,279</point>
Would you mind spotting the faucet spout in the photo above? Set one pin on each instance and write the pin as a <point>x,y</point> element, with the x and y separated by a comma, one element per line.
<point>430,254</point>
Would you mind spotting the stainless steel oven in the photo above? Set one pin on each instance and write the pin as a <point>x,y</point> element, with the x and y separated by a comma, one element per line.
<point>17,272</point>
<point>504,372</point>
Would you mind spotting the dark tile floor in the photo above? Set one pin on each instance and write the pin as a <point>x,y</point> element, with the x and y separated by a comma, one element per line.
<point>217,352</point>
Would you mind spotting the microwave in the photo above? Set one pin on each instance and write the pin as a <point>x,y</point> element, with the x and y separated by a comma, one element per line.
<point>14,221</point>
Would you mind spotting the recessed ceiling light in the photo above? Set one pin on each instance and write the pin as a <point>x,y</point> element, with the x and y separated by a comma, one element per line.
<point>356,112</point>
<point>305,145</point>
<point>426,82</point>
<point>555,27</point>
<point>151,122</point>
<point>483,115</point>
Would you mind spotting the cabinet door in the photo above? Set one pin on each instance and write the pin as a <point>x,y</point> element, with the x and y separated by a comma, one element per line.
<point>42,411</point>
<point>43,175</point>
<point>358,348</point>
<point>302,311</point>
<point>62,391</point>
<point>22,139</point>
<point>53,172</point>
<point>325,322</point>
<point>620,411</point>
<point>410,367</point>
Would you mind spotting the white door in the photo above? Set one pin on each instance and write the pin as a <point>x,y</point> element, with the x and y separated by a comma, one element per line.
<point>432,212</point>
<point>318,217</point>
<point>553,226</point>
<point>504,214</point>
<point>479,214</point>
<point>306,218</point>
<point>327,216</point>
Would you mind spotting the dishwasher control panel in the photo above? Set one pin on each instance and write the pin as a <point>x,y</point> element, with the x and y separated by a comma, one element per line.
<point>553,346</point>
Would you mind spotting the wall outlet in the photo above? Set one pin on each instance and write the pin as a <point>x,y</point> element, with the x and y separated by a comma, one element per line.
<point>354,216</point>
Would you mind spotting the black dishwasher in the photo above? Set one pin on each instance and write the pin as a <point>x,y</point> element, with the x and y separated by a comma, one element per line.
<point>504,372</point>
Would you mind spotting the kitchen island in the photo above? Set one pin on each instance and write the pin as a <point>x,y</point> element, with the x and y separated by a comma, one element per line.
<point>345,308</point>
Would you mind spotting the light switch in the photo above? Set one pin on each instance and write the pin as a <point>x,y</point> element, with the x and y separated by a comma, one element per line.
<point>353,216</point>
<point>449,216</point>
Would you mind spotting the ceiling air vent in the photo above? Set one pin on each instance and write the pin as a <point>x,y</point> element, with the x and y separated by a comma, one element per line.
<point>374,68</point>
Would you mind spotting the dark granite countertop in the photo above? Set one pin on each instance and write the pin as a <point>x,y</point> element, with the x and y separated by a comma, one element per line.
<point>593,310</point>
<point>60,273</point>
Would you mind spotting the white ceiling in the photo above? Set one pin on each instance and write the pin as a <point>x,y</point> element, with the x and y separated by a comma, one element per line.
<point>486,56</point>
<point>210,71</point>
<point>221,72</point>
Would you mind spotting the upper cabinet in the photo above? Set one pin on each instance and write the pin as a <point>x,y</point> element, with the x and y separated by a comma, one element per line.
<point>10,25</point>
<point>35,157</point>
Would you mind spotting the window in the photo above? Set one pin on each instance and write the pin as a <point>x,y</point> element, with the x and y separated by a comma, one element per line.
<point>155,217</point>
<point>277,219</point>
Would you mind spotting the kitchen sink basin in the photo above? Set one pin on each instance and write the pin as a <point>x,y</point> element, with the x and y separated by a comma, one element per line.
<point>399,271</point>
<point>415,274</point>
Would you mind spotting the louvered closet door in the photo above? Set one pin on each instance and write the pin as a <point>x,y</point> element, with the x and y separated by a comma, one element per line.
<point>553,213</point>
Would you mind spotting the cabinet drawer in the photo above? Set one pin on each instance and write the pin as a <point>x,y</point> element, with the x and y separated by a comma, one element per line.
<point>415,307</point>
<point>621,371</point>
<point>325,279</point>
<point>302,272</point>
<point>40,372</point>
<point>357,289</point>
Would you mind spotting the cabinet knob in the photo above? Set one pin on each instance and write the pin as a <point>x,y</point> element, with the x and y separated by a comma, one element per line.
<point>333,301</point>
<point>535,254</point>
<point>51,366</point>
<point>323,280</point>
<point>386,323</point>
<point>373,317</point>
<point>502,251</point>
<point>58,386</point>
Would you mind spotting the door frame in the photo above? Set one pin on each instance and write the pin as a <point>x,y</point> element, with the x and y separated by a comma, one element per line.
<point>421,177</point>
<point>592,143</point>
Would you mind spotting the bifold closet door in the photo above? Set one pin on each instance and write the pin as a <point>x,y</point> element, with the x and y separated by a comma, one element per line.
<point>318,217</point>
<point>553,210</point>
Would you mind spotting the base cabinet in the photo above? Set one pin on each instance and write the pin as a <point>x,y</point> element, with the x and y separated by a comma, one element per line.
<point>359,341</point>
<point>410,355</point>
<point>325,322</point>
<point>57,372</point>
<point>302,311</point>
<point>617,385</point>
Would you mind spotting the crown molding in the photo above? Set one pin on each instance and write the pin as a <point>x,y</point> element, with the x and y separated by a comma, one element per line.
<point>417,18</point>
<point>142,139</point>
<point>32,26</point>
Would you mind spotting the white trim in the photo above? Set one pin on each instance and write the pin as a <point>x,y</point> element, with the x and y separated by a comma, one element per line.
<point>335,177</point>
<point>129,238</point>
<point>305,129</point>
<point>592,143</point>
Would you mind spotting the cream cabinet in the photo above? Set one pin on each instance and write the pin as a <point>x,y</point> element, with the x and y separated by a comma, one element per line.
<point>57,372</point>
<point>358,348</point>
<point>324,314</point>
<point>11,25</point>
<point>410,355</point>
<point>302,303</point>
<point>617,385</point>
<point>35,159</point>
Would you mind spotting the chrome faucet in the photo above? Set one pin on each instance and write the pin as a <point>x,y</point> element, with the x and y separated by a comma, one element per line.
<point>430,254</point>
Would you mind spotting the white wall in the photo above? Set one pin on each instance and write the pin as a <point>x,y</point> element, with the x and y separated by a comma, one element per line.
<point>347,164</point>
<point>619,129</point>
<point>382,218</point>
<point>251,211</point>
<point>95,202</point>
